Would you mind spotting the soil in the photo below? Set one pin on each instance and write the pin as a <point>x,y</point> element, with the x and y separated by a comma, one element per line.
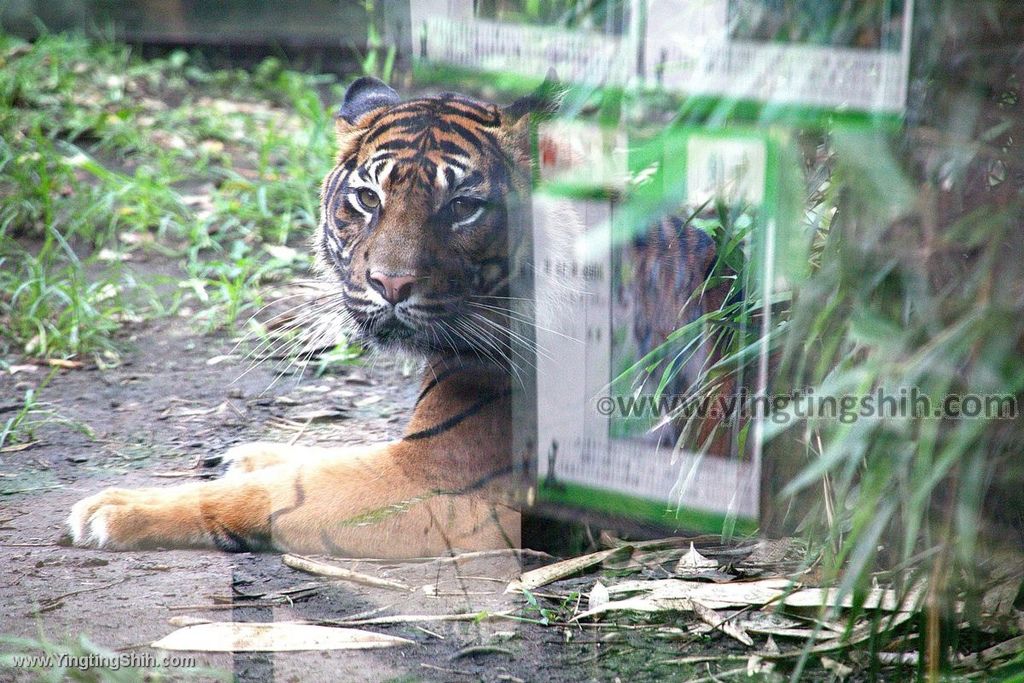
<point>180,397</point>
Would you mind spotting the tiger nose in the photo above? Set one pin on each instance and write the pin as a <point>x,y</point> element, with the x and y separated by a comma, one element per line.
<point>394,288</point>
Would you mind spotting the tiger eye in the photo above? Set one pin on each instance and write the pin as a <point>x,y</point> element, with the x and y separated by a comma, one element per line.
<point>464,208</point>
<point>368,198</point>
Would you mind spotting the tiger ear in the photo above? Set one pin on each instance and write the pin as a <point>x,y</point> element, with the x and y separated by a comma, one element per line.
<point>366,94</point>
<point>543,102</point>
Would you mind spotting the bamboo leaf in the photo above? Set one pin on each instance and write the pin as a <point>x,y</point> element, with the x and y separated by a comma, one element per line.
<point>273,637</point>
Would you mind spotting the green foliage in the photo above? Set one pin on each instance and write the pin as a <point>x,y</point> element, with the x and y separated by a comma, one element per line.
<point>379,59</point>
<point>104,155</point>
<point>20,427</point>
<point>914,281</point>
<point>54,312</point>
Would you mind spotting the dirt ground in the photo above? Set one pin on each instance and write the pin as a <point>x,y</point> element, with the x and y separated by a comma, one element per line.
<point>179,397</point>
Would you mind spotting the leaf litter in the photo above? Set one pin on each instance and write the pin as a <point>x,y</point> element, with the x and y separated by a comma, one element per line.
<point>754,595</point>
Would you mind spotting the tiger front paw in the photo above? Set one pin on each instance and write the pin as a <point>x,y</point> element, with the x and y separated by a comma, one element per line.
<point>128,519</point>
<point>98,521</point>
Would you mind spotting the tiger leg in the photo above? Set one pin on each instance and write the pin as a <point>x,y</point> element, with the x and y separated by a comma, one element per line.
<point>258,455</point>
<point>355,504</point>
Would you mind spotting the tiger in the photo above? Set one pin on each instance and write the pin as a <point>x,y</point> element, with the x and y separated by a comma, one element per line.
<point>673,284</point>
<point>416,230</point>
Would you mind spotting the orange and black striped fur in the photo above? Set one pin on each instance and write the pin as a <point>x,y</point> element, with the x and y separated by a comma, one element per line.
<point>415,230</point>
<point>673,266</point>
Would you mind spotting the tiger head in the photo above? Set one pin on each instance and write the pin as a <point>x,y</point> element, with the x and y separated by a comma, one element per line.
<point>416,214</point>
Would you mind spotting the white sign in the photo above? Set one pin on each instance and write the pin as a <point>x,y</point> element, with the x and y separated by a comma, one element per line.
<point>592,285</point>
<point>453,32</point>
<point>728,168</point>
<point>736,49</point>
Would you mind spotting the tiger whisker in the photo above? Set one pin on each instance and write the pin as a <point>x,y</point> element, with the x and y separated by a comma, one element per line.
<point>275,346</point>
<point>507,357</point>
<point>515,336</point>
<point>482,337</point>
<point>519,317</point>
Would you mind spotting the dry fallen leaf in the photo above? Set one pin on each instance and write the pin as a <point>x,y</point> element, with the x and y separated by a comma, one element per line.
<point>64,363</point>
<point>560,570</point>
<point>768,552</point>
<point>598,596</point>
<point>757,666</point>
<point>1007,648</point>
<point>714,595</point>
<point>693,560</point>
<point>676,594</point>
<point>838,668</point>
<point>273,637</point>
<point>1005,580</point>
<point>876,598</point>
<point>710,616</point>
<point>318,414</point>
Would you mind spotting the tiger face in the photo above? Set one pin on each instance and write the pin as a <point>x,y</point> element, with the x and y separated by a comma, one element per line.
<point>415,218</point>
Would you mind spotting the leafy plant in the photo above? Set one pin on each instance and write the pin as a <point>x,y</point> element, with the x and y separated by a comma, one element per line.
<point>379,59</point>
<point>103,154</point>
<point>20,427</point>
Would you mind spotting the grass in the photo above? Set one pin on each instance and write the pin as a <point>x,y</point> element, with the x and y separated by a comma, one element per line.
<point>18,430</point>
<point>105,157</point>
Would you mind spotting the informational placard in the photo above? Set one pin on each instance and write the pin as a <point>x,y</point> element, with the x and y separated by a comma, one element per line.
<point>612,290</point>
<point>639,233</point>
<point>582,42</point>
<point>819,56</point>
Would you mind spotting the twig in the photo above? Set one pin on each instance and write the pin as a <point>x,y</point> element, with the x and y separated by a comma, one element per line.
<point>11,492</point>
<point>701,659</point>
<point>430,633</point>
<point>433,667</point>
<point>559,570</point>
<point>222,606</point>
<point>310,566</point>
<point>54,602</point>
<point>459,557</point>
<point>27,545</point>
<point>302,430</point>
<point>715,677</point>
<point>481,554</point>
<point>408,618</point>
<point>19,447</point>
